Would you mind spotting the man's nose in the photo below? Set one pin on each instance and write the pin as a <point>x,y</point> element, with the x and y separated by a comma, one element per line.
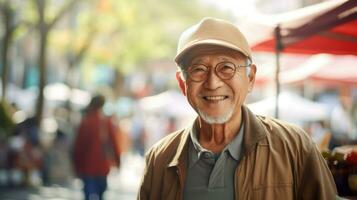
<point>212,81</point>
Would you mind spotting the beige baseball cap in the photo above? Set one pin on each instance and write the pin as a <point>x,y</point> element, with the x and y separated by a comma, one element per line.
<point>211,31</point>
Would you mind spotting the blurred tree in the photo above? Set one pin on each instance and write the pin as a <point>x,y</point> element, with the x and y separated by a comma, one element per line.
<point>133,32</point>
<point>124,34</point>
<point>79,38</point>
<point>8,15</point>
<point>45,25</point>
<point>82,36</point>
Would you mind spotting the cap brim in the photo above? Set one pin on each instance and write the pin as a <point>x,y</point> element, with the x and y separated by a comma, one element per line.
<point>208,42</point>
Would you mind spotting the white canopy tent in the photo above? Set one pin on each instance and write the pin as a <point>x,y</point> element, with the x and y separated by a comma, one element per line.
<point>293,108</point>
<point>171,103</point>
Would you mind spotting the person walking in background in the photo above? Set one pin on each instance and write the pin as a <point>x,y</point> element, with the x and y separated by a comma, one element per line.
<point>228,152</point>
<point>343,124</point>
<point>95,149</point>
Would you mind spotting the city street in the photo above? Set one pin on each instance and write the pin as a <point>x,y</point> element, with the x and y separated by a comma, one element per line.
<point>122,184</point>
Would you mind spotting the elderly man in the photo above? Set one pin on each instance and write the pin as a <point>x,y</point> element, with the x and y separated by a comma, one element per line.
<point>228,152</point>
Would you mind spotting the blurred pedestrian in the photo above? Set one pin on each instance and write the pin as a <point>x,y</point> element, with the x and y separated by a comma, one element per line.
<point>343,126</point>
<point>96,149</point>
<point>57,169</point>
<point>25,158</point>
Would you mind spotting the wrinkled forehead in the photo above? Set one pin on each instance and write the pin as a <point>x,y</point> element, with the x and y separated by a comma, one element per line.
<point>209,50</point>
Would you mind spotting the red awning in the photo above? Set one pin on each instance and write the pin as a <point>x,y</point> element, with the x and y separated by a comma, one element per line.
<point>328,27</point>
<point>332,29</point>
<point>321,69</point>
<point>325,70</point>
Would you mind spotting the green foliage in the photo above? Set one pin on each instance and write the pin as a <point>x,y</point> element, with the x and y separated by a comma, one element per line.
<point>6,123</point>
<point>132,32</point>
<point>123,34</point>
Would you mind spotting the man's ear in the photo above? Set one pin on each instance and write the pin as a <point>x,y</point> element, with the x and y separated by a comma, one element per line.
<point>253,71</point>
<point>181,82</point>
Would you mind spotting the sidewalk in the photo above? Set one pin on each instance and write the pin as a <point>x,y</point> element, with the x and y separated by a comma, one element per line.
<point>122,184</point>
<point>57,193</point>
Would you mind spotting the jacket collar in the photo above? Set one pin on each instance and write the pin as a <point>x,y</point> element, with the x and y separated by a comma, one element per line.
<point>253,133</point>
<point>180,157</point>
<point>254,130</point>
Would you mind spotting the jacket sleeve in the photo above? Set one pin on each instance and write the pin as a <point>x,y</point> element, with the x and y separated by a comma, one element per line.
<point>316,181</point>
<point>146,182</point>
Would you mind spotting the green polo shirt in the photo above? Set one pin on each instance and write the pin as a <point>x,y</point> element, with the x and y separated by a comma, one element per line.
<point>209,175</point>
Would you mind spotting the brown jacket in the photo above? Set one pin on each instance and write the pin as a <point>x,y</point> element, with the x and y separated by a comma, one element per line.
<point>280,162</point>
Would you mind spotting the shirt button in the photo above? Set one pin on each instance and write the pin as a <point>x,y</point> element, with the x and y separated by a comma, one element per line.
<point>207,155</point>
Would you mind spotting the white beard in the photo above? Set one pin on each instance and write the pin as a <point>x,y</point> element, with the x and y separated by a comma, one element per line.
<point>215,120</point>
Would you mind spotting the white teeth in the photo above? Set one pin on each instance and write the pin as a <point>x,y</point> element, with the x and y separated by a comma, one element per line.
<point>215,98</point>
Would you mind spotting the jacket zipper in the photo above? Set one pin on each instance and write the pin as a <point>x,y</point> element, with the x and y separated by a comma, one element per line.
<point>180,182</point>
<point>236,179</point>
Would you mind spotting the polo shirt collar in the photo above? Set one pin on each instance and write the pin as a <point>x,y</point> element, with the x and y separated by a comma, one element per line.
<point>234,147</point>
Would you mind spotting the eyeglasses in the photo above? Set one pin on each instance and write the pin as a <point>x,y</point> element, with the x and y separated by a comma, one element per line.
<point>224,70</point>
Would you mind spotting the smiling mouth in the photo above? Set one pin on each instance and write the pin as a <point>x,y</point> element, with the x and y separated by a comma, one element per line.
<point>215,98</point>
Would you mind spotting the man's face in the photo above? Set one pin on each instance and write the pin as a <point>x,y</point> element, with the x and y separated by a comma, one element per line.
<point>214,99</point>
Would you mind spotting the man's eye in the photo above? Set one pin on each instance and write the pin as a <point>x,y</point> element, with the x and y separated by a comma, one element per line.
<point>226,68</point>
<point>198,69</point>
